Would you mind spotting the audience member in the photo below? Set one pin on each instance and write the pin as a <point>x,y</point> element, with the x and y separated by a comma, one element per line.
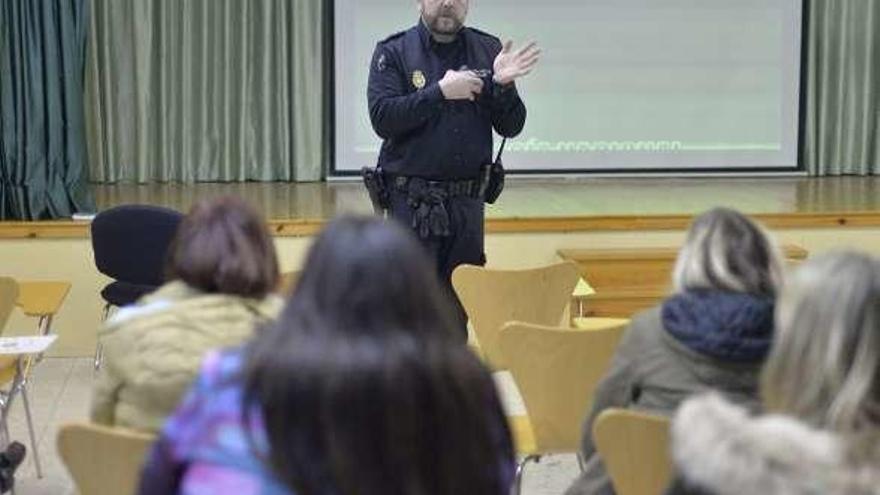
<point>361,387</point>
<point>820,389</point>
<point>223,271</point>
<point>714,332</point>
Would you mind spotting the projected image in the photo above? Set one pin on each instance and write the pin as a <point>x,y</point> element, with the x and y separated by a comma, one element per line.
<point>623,85</point>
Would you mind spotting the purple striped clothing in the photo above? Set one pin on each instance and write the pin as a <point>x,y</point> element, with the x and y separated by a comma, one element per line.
<point>204,447</point>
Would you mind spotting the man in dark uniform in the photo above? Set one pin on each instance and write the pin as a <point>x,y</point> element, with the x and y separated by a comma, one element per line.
<point>436,92</point>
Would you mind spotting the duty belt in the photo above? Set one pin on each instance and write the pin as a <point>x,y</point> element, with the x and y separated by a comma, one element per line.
<point>453,188</point>
<point>427,198</point>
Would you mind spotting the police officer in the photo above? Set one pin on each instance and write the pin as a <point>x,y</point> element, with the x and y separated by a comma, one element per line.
<point>436,92</point>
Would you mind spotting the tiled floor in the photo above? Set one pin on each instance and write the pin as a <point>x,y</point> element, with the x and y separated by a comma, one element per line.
<point>60,390</point>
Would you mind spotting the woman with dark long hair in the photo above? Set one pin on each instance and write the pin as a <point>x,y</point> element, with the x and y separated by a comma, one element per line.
<point>361,387</point>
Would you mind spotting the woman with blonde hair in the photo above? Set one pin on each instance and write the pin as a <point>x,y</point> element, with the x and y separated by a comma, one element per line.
<point>713,332</point>
<point>820,389</point>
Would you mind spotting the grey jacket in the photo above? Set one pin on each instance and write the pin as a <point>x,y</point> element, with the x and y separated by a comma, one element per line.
<point>653,371</point>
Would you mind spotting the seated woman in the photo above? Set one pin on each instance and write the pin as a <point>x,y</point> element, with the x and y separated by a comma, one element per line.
<point>714,332</point>
<point>820,389</point>
<point>223,271</point>
<point>361,387</point>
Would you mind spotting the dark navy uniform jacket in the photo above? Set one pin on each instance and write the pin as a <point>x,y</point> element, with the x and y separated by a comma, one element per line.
<point>424,134</point>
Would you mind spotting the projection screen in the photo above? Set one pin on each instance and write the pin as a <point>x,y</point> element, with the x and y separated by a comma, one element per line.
<point>623,85</point>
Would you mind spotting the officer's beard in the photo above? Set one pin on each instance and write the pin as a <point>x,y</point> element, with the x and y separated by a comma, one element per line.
<point>444,26</point>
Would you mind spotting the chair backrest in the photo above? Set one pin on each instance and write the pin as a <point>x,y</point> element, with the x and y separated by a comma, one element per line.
<point>634,447</point>
<point>492,298</point>
<point>287,282</point>
<point>556,371</point>
<point>130,242</point>
<point>103,459</point>
<point>8,296</point>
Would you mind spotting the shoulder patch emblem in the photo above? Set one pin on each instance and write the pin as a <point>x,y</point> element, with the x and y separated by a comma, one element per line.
<point>418,79</point>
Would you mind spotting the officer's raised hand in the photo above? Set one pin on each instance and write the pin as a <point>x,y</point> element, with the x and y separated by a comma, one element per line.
<point>461,85</point>
<point>510,65</point>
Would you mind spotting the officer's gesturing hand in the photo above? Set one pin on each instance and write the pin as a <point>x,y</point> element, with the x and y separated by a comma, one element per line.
<point>460,85</point>
<point>511,65</point>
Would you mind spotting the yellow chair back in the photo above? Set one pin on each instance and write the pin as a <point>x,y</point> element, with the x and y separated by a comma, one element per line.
<point>103,459</point>
<point>8,298</point>
<point>556,371</point>
<point>635,449</point>
<point>495,297</point>
<point>287,282</point>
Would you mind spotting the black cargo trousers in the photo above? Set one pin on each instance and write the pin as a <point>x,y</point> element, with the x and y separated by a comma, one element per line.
<point>450,226</point>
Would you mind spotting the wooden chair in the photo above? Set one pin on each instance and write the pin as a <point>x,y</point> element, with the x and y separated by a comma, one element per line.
<point>556,371</point>
<point>8,297</point>
<point>13,374</point>
<point>42,300</point>
<point>492,298</point>
<point>288,282</point>
<point>634,447</point>
<point>102,459</point>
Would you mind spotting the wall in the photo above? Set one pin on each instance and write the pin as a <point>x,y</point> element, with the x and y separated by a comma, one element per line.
<point>79,318</point>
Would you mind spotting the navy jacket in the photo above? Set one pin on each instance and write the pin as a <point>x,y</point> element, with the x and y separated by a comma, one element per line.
<point>424,134</point>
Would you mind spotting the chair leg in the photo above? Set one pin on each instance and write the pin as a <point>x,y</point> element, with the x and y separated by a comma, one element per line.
<point>30,424</point>
<point>580,458</point>
<point>5,431</point>
<point>520,467</point>
<point>99,356</point>
<point>43,329</point>
<point>99,349</point>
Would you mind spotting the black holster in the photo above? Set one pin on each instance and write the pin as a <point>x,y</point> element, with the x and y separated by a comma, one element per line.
<point>492,177</point>
<point>492,181</point>
<point>378,192</point>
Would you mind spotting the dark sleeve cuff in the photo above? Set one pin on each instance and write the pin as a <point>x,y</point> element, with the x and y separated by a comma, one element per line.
<point>433,93</point>
<point>504,95</point>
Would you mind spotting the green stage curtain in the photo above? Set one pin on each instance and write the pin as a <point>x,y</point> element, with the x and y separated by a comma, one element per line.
<point>206,90</point>
<point>842,128</point>
<point>43,172</point>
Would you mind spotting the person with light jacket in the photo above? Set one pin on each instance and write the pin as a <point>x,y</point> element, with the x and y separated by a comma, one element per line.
<point>222,272</point>
<point>713,332</point>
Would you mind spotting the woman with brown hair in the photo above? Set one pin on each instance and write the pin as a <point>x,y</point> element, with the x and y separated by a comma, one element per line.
<point>221,270</point>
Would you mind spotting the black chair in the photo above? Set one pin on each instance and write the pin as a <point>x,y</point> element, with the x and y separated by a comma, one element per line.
<point>130,243</point>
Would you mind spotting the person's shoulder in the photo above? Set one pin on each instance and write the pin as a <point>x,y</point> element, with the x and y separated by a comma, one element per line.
<point>647,322</point>
<point>484,37</point>
<point>220,367</point>
<point>394,39</point>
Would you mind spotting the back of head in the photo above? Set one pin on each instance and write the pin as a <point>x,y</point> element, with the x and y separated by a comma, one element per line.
<point>825,361</point>
<point>363,387</point>
<point>222,246</point>
<point>365,275</point>
<point>725,250</point>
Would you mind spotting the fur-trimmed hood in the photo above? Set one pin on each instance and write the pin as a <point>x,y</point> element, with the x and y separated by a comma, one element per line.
<point>719,448</point>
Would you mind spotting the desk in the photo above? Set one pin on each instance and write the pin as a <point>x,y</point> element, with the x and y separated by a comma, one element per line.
<point>16,353</point>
